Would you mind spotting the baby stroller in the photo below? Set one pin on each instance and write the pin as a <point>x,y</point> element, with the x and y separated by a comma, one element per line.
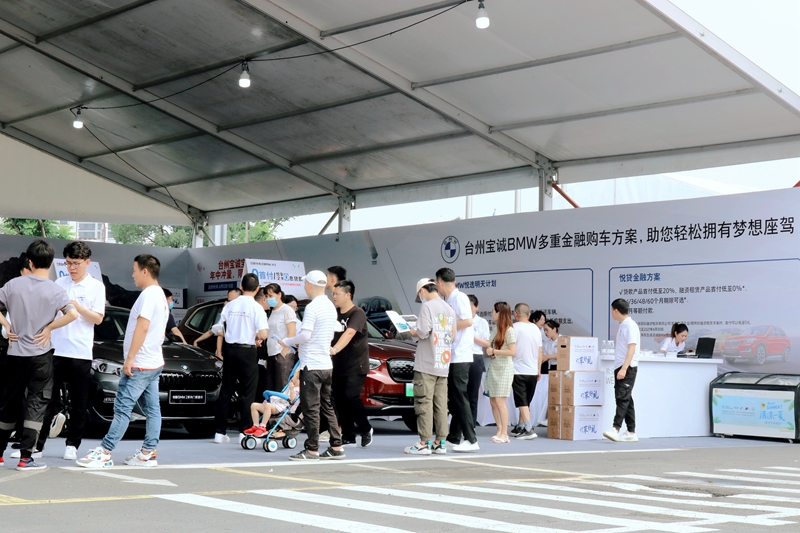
<point>285,421</point>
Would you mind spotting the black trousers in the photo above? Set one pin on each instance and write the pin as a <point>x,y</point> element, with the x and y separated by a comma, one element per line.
<point>239,363</point>
<point>349,409</point>
<point>462,422</point>
<point>474,385</point>
<point>77,374</point>
<point>623,394</point>
<point>33,375</point>
<point>279,369</point>
<point>317,406</point>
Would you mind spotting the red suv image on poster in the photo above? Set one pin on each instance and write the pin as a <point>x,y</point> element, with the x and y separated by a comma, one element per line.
<point>757,344</point>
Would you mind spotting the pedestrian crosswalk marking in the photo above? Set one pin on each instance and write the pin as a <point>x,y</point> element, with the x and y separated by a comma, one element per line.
<point>743,471</point>
<point>735,478</point>
<point>633,487</point>
<point>696,481</point>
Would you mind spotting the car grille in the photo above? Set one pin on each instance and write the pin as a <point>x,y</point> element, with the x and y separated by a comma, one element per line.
<point>731,344</point>
<point>392,400</point>
<point>207,381</point>
<point>401,370</point>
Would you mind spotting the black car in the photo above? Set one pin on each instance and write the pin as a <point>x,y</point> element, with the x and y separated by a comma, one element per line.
<point>188,388</point>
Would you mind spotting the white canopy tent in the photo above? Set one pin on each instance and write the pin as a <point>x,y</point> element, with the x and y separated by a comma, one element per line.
<point>553,90</point>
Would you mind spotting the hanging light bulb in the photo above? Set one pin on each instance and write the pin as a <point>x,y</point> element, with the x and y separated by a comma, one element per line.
<point>482,22</point>
<point>244,78</point>
<point>77,123</point>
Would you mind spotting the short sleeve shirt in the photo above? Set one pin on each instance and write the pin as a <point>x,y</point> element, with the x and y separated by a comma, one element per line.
<point>75,340</point>
<point>628,333</point>
<point>462,347</point>
<point>34,302</point>
<point>526,356</point>
<point>436,327</point>
<point>152,305</point>
<point>320,319</point>
<point>511,338</point>
<point>243,318</point>
<point>353,359</point>
<point>669,345</point>
<point>277,322</point>
<point>480,330</point>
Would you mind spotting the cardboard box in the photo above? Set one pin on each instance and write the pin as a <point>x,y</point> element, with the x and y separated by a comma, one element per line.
<point>582,388</point>
<point>554,388</point>
<point>581,422</point>
<point>554,422</point>
<point>577,353</point>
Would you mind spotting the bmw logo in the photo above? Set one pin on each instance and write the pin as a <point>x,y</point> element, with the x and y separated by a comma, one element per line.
<point>184,367</point>
<point>450,249</point>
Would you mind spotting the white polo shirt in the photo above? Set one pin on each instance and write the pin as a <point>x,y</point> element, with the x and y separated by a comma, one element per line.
<point>465,339</point>
<point>628,333</point>
<point>243,319</point>
<point>320,319</point>
<point>75,340</point>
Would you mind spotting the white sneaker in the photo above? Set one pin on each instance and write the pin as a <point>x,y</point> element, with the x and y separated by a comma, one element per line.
<point>612,434</point>
<point>35,455</point>
<point>628,437</point>
<point>418,449</point>
<point>142,459</point>
<point>219,438</point>
<point>96,458</point>
<point>70,453</point>
<point>325,435</point>
<point>466,447</point>
<point>57,425</point>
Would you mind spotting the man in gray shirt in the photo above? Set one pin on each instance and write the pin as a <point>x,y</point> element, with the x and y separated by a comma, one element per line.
<point>436,330</point>
<point>34,301</point>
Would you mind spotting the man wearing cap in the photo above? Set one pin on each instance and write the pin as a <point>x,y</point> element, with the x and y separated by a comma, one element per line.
<point>316,370</point>
<point>435,329</point>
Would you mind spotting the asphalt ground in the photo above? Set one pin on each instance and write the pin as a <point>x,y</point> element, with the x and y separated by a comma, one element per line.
<point>683,485</point>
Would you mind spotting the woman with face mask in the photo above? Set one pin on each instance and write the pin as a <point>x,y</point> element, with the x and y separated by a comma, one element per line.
<point>282,324</point>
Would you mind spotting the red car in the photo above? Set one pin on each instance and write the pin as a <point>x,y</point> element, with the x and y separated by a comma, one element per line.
<point>757,344</point>
<point>388,389</point>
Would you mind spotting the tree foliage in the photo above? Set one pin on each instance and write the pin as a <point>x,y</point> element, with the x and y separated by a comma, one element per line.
<point>152,235</point>
<point>258,231</point>
<point>36,227</point>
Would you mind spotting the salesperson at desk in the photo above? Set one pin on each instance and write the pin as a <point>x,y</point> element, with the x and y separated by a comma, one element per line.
<point>245,326</point>
<point>677,339</point>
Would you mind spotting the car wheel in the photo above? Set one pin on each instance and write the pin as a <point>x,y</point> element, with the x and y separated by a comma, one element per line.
<point>410,420</point>
<point>200,429</point>
<point>761,354</point>
<point>786,353</point>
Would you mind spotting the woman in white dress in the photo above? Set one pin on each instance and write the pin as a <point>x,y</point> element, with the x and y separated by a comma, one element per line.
<point>677,339</point>
<point>549,349</point>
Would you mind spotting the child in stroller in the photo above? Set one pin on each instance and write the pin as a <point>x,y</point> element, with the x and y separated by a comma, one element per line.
<point>275,411</point>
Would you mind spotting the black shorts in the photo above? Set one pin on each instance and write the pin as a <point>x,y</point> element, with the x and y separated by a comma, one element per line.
<point>523,388</point>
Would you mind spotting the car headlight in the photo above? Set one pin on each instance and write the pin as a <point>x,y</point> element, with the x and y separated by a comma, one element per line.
<point>749,341</point>
<point>105,366</point>
<point>374,364</point>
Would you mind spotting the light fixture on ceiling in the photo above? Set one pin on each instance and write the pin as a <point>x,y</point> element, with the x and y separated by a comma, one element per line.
<point>244,78</point>
<point>482,22</point>
<point>77,123</point>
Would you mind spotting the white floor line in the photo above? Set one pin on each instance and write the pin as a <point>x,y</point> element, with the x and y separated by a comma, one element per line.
<point>767,473</point>
<point>788,511</point>
<point>131,479</point>
<point>326,523</point>
<point>633,487</point>
<point>561,514</point>
<point>708,483</point>
<point>407,512</point>
<point>734,478</point>
<point>793,469</point>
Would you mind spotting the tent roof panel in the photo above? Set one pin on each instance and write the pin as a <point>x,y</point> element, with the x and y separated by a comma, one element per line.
<point>43,16</point>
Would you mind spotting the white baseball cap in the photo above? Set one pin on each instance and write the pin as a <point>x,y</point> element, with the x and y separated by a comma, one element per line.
<point>316,277</point>
<point>421,283</point>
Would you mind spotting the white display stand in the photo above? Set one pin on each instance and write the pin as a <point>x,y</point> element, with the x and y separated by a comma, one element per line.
<point>670,396</point>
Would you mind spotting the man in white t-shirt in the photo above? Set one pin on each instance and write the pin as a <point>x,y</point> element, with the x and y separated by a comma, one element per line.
<point>245,326</point>
<point>316,370</point>
<point>527,360</point>
<point>461,423</point>
<point>72,361</point>
<point>144,361</point>
<point>480,333</point>
<point>626,365</point>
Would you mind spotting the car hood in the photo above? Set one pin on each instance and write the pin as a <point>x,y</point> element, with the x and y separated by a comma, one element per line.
<point>391,348</point>
<point>742,337</point>
<point>176,356</point>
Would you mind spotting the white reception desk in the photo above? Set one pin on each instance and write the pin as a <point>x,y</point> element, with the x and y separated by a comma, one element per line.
<point>670,396</point>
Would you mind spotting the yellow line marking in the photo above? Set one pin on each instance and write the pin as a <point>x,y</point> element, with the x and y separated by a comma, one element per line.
<point>287,478</point>
<point>564,472</point>
<point>9,500</point>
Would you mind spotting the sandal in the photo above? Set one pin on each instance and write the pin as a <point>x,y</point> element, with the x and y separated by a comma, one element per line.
<point>497,440</point>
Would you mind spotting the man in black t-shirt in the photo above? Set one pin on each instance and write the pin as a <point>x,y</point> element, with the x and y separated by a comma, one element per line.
<point>350,352</point>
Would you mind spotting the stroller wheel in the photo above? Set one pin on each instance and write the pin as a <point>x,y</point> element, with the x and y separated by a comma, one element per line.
<point>249,443</point>
<point>289,442</point>
<point>270,446</point>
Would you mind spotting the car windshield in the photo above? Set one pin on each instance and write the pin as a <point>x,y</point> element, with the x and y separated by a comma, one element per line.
<point>758,330</point>
<point>112,329</point>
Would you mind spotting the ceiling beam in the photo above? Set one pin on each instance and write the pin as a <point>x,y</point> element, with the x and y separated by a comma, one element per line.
<point>119,179</point>
<point>623,110</point>
<point>217,176</point>
<point>307,110</point>
<point>389,18</point>
<point>94,20</point>
<point>383,147</point>
<point>145,145</point>
<point>220,64</point>
<point>369,66</point>
<point>115,82</point>
<point>10,47</point>
<point>63,107</point>
<point>291,208</point>
<point>547,60</point>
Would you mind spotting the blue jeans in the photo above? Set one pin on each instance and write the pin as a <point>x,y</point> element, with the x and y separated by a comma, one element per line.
<point>142,387</point>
